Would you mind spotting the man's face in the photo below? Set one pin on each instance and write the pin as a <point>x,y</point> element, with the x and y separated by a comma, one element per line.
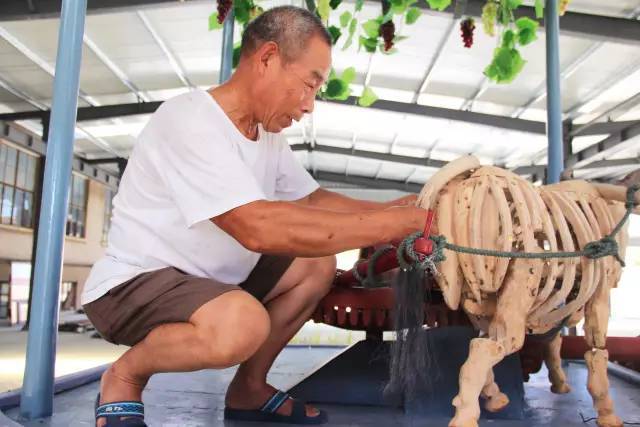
<point>291,87</point>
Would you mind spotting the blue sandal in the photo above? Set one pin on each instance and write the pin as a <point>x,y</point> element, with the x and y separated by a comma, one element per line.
<point>268,412</point>
<point>134,411</point>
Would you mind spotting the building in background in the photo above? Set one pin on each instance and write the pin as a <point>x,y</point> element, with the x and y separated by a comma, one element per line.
<point>88,221</point>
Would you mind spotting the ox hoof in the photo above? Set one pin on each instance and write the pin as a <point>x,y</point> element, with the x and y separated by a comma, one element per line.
<point>496,403</point>
<point>562,388</point>
<point>609,421</point>
<point>467,423</point>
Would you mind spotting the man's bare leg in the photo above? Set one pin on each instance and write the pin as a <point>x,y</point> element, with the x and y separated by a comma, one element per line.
<point>203,342</point>
<point>290,304</point>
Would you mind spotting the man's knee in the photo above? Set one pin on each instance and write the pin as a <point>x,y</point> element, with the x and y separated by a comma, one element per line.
<point>237,331</point>
<point>323,270</point>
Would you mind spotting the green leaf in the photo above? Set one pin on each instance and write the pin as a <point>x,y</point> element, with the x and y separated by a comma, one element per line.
<point>412,15</point>
<point>386,17</point>
<point>213,22</point>
<point>359,4</point>
<point>367,98</point>
<point>324,9</point>
<point>527,29</point>
<point>539,9</point>
<point>335,34</point>
<point>504,15</point>
<point>439,4</point>
<point>337,89</point>
<point>509,39</point>
<point>332,74</point>
<point>334,4</point>
<point>242,10</point>
<point>348,75</point>
<point>345,18</point>
<point>371,28</point>
<point>353,25</point>
<point>506,65</point>
<point>370,44</point>
<point>398,7</point>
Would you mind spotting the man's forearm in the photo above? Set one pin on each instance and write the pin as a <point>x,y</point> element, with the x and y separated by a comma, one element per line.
<point>304,231</point>
<point>330,200</point>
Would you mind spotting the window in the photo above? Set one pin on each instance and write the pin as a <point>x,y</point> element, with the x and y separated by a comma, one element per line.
<point>4,300</point>
<point>108,208</point>
<point>17,186</point>
<point>77,212</point>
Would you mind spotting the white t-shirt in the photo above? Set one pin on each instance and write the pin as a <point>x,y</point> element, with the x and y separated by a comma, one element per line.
<point>190,163</point>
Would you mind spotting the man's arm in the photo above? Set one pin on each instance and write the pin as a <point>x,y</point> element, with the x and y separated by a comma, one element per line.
<point>330,200</point>
<point>306,231</point>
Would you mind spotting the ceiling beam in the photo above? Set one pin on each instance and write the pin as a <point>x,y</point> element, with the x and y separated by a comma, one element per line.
<point>171,57</point>
<point>607,163</point>
<point>407,160</point>
<point>502,122</point>
<point>367,182</point>
<point>585,156</point>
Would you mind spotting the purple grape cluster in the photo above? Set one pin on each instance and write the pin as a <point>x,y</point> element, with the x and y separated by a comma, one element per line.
<point>466,28</point>
<point>224,6</point>
<point>388,33</point>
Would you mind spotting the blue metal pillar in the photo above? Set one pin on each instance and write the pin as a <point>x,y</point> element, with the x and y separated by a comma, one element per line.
<point>555,161</point>
<point>37,388</point>
<point>226,64</point>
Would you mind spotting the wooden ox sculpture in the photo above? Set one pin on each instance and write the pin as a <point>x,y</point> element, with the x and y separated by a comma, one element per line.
<point>506,298</point>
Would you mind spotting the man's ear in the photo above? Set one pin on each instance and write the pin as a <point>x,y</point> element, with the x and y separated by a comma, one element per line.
<point>267,54</point>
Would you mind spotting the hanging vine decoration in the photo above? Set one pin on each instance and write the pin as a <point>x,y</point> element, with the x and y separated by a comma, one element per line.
<point>379,34</point>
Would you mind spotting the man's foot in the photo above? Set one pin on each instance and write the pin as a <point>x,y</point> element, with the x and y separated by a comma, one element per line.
<point>246,396</point>
<point>115,386</point>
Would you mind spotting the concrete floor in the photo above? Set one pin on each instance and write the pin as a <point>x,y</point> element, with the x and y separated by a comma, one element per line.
<point>75,352</point>
<point>197,399</point>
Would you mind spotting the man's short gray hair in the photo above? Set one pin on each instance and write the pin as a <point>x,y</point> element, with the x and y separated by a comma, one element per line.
<point>289,27</point>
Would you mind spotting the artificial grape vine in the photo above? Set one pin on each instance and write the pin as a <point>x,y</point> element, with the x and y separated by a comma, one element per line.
<point>379,34</point>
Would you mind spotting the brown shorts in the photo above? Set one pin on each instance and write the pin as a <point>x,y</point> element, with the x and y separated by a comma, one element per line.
<point>128,312</point>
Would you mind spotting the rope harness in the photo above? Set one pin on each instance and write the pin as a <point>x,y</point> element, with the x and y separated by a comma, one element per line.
<point>427,260</point>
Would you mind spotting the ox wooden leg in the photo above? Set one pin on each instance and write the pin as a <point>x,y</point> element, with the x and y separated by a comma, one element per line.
<point>495,399</point>
<point>553,361</point>
<point>595,328</point>
<point>507,330</point>
<point>484,353</point>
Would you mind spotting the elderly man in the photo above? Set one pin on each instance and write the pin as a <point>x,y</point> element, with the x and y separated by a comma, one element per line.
<point>221,244</point>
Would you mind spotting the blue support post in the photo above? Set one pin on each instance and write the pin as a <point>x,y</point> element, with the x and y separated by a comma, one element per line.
<point>555,161</point>
<point>226,64</point>
<point>37,388</point>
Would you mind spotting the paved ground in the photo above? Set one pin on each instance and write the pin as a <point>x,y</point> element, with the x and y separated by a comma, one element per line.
<point>77,352</point>
<point>196,399</point>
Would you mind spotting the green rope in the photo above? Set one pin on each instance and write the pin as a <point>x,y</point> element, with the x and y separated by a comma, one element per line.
<point>607,246</point>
